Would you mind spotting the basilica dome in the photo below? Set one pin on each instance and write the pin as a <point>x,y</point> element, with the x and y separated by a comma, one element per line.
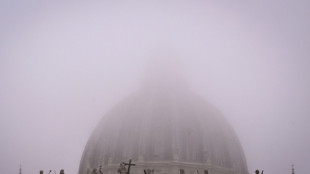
<point>165,128</point>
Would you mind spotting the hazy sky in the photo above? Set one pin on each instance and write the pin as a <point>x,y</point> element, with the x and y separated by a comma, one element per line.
<point>64,64</point>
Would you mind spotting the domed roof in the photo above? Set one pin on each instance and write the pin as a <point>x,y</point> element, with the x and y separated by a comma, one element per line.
<point>162,124</point>
<point>166,127</point>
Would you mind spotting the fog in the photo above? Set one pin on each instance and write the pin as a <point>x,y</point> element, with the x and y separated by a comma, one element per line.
<point>63,65</point>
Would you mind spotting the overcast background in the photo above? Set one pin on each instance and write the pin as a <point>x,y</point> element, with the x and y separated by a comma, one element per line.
<point>63,65</point>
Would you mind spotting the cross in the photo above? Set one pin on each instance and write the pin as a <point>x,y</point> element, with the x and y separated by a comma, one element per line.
<point>129,164</point>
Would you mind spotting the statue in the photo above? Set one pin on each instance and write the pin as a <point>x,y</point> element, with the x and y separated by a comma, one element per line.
<point>94,171</point>
<point>100,169</point>
<point>182,171</point>
<point>257,172</point>
<point>122,169</point>
<point>51,171</point>
<point>149,171</point>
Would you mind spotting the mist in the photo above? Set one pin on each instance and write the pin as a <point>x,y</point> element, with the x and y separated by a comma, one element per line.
<point>63,65</point>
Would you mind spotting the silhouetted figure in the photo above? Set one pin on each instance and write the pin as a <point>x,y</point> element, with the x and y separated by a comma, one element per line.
<point>41,171</point>
<point>205,172</point>
<point>122,169</point>
<point>62,171</point>
<point>182,171</point>
<point>51,172</point>
<point>148,171</point>
<point>100,171</point>
<point>257,172</point>
<point>95,171</point>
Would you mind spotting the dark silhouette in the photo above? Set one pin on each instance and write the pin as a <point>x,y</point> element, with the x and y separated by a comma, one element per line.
<point>129,165</point>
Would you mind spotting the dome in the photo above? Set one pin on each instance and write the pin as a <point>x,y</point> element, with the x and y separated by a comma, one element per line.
<point>165,128</point>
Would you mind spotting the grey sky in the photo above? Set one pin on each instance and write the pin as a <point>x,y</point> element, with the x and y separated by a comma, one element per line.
<point>64,64</point>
